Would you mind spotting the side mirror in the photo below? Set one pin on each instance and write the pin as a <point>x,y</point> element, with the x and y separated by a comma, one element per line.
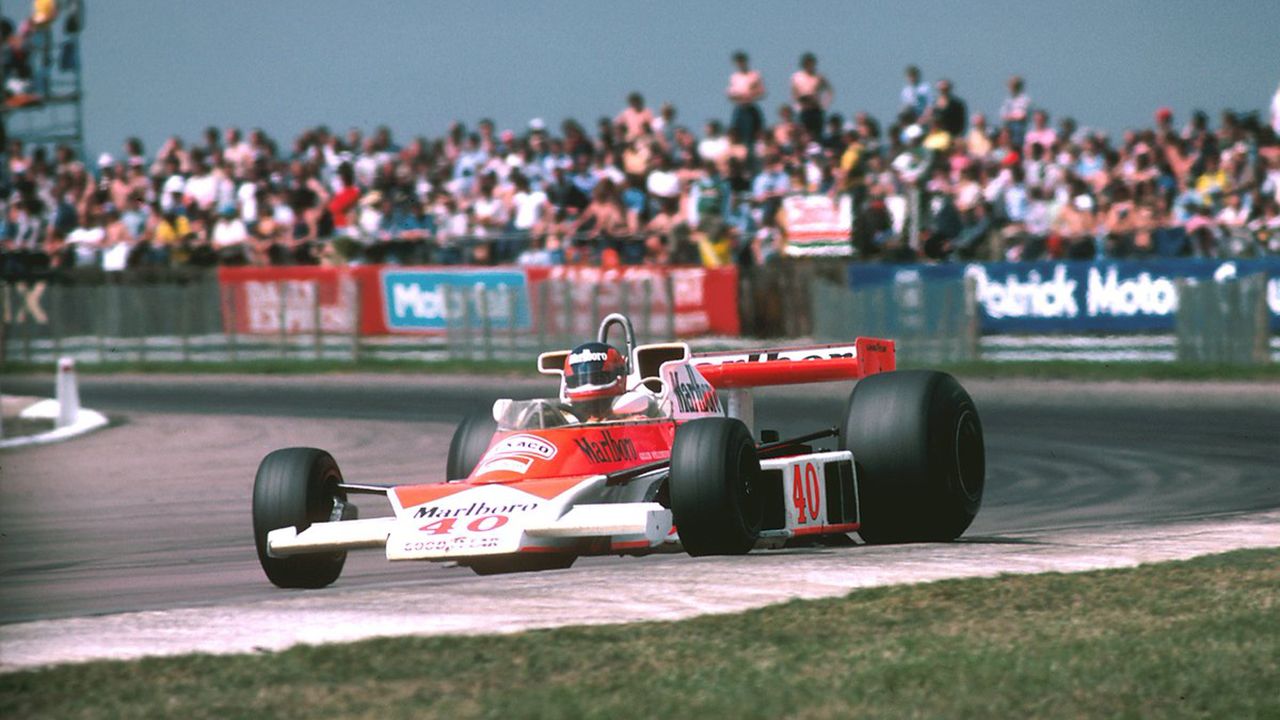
<point>500,408</point>
<point>633,403</point>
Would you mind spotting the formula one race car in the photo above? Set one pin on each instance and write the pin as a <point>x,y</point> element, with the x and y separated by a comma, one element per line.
<point>646,450</point>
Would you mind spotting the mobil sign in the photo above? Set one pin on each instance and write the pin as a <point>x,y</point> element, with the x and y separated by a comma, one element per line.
<point>426,300</point>
<point>1118,296</point>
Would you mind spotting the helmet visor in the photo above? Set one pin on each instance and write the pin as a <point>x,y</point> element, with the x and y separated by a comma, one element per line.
<point>589,375</point>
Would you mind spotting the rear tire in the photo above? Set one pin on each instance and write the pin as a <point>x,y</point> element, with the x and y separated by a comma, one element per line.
<point>297,487</point>
<point>921,462</point>
<point>469,443</point>
<point>714,473</point>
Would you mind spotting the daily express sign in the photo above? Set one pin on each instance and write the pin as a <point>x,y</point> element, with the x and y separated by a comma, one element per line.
<point>1119,296</point>
<point>417,299</point>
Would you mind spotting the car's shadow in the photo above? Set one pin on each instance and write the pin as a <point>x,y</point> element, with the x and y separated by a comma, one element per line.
<point>809,549</point>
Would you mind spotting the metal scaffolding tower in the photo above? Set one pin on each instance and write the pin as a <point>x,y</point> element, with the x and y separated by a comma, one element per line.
<point>45,109</point>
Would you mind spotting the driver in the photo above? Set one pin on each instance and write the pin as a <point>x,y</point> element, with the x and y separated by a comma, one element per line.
<point>594,375</point>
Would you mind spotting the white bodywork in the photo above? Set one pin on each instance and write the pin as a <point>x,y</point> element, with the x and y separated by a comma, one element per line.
<point>501,519</point>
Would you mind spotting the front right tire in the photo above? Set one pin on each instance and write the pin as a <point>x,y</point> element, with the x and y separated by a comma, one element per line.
<point>297,487</point>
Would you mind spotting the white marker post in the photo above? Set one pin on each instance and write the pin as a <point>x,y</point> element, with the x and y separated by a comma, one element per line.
<point>67,393</point>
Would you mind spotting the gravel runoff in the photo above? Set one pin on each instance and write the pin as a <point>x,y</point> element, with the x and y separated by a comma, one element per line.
<point>622,592</point>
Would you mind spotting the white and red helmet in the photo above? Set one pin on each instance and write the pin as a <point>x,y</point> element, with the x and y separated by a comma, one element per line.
<point>594,371</point>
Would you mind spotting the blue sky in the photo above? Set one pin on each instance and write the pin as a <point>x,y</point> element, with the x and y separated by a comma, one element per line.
<point>154,68</point>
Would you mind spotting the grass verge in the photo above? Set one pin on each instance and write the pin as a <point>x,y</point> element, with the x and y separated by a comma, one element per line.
<point>1189,639</point>
<point>1049,370</point>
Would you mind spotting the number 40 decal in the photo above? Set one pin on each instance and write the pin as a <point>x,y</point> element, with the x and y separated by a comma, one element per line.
<point>484,523</point>
<point>806,493</point>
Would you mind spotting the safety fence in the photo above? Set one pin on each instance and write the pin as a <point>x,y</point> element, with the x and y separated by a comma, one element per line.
<point>1115,297</point>
<point>385,314</point>
<point>163,322</point>
<point>1212,312</point>
<point>487,325</point>
<point>932,322</point>
<point>1224,322</point>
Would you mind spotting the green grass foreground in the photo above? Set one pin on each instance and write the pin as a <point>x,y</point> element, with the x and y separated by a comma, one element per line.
<point>1188,639</point>
<point>1048,370</point>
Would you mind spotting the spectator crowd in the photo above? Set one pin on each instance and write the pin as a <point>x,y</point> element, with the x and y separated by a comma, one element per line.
<point>937,182</point>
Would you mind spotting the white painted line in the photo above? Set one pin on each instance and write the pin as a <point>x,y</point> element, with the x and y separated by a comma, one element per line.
<point>1079,341</point>
<point>619,592</point>
<point>1095,356</point>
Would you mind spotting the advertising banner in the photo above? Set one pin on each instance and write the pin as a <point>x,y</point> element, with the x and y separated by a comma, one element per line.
<point>414,299</point>
<point>289,300</point>
<point>817,225</point>
<point>427,300</point>
<point>705,300</point>
<point>1048,297</point>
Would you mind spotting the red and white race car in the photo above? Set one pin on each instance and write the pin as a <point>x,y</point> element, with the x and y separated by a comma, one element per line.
<point>670,463</point>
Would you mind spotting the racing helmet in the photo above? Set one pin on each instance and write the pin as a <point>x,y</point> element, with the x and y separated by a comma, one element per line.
<point>593,371</point>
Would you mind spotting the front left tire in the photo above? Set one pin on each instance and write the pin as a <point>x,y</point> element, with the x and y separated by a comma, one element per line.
<point>715,503</point>
<point>470,441</point>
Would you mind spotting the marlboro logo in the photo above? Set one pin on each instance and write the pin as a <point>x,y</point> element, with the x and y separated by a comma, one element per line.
<point>475,509</point>
<point>605,448</point>
<point>587,356</point>
<point>694,395</point>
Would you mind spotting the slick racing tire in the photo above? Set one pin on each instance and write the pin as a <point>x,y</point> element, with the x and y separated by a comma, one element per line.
<point>918,450</point>
<point>469,443</point>
<point>297,487</point>
<point>713,484</point>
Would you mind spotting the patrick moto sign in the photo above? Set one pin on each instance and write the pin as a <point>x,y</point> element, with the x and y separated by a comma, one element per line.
<point>1116,296</point>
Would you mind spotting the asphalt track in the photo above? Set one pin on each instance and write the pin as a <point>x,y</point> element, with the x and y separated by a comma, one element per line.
<point>153,513</point>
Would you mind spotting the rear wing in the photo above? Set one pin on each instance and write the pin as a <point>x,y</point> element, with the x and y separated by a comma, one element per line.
<point>796,365</point>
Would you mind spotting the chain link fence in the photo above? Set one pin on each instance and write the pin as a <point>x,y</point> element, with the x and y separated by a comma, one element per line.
<point>195,319</point>
<point>189,321</point>
<point>932,322</point>
<point>483,324</point>
<point>109,322</point>
<point>200,321</point>
<point>1224,322</point>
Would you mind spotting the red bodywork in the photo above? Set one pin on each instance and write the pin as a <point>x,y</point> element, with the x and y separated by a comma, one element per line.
<point>581,451</point>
